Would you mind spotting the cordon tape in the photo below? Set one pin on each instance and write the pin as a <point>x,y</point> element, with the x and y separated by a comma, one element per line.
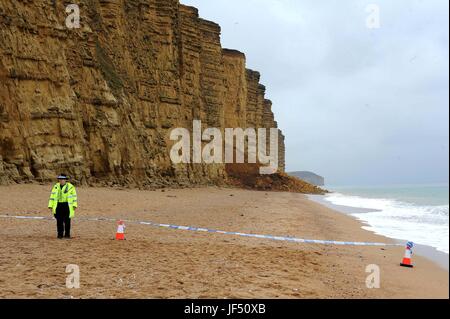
<point>206,230</point>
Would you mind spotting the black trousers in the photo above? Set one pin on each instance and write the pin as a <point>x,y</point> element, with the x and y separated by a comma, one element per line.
<point>63,219</point>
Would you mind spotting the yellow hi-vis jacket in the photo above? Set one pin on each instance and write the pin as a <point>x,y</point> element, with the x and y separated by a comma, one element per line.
<point>65,194</point>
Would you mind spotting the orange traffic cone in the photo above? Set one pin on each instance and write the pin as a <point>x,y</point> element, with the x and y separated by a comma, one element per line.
<point>406,262</point>
<point>120,234</point>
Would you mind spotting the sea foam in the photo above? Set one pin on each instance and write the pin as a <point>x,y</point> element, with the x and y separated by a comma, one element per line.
<point>427,225</point>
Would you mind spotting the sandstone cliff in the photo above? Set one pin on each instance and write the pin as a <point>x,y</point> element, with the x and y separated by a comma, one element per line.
<point>99,102</point>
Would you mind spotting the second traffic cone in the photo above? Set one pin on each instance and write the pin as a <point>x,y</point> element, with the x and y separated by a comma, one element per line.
<point>406,262</point>
<point>120,234</point>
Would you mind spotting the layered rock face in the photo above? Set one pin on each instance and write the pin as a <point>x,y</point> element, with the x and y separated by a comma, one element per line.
<point>99,102</point>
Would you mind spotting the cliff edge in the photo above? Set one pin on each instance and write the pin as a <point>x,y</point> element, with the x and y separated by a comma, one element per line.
<point>98,102</point>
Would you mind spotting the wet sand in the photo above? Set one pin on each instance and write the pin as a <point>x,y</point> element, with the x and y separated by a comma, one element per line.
<point>166,263</point>
<point>439,257</point>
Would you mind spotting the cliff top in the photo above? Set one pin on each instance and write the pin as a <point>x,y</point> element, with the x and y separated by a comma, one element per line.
<point>233,53</point>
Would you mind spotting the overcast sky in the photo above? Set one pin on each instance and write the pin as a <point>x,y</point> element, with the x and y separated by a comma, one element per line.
<point>358,105</point>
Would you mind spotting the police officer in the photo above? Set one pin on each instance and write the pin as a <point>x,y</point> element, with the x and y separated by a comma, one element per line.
<point>63,202</point>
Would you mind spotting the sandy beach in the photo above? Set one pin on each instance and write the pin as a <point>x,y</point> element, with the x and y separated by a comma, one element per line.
<point>165,263</point>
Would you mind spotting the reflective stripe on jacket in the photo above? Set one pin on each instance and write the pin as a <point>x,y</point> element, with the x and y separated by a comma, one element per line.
<point>65,194</point>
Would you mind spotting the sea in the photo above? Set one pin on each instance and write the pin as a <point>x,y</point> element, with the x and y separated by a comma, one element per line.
<point>417,213</point>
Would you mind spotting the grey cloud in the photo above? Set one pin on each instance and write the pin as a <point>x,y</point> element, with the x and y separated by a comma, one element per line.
<point>358,105</point>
